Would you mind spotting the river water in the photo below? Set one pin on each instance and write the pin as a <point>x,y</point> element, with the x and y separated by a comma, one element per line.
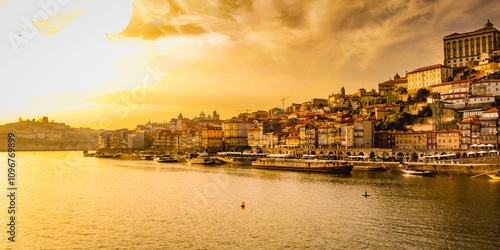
<point>67,201</point>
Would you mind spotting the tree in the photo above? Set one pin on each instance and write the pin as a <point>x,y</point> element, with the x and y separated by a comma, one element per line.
<point>426,111</point>
<point>396,121</point>
<point>402,91</point>
<point>45,119</point>
<point>453,124</point>
<point>421,95</point>
<point>380,100</point>
<point>20,119</point>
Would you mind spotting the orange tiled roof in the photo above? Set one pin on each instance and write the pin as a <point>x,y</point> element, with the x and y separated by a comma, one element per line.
<point>452,82</point>
<point>392,82</point>
<point>493,110</point>
<point>428,67</point>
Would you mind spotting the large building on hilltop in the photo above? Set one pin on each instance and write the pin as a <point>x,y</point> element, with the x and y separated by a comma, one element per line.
<point>459,48</point>
<point>388,88</point>
<point>427,77</point>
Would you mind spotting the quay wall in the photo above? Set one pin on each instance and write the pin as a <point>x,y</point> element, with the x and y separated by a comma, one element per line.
<point>444,168</point>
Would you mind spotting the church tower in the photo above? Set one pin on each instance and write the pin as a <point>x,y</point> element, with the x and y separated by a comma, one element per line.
<point>215,115</point>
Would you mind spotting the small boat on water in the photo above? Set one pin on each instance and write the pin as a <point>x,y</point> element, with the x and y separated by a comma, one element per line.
<point>105,155</point>
<point>165,158</point>
<point>147,157</point>
<point>494,176</point>
<point>202,158</point>
<point>418,172</point>
<point>369,168</point>
<point>238,157</point>
<point>88,154</point>
<point>287,162</point>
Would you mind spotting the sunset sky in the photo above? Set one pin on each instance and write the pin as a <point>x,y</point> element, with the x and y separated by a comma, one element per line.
<point>118,63</point>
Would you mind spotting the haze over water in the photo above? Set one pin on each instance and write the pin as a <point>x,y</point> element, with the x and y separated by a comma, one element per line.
<point>67,201</point>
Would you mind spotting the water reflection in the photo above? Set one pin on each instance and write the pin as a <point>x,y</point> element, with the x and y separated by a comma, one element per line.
<point>69,202</point>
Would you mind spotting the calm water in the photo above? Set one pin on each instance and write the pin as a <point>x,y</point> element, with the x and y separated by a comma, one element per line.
<point>67,201</point>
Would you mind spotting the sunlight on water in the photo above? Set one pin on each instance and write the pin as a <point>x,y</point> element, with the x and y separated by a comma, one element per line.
<point>67,201</point>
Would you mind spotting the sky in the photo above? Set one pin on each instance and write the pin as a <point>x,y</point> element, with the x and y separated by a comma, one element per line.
<point>117,63</point>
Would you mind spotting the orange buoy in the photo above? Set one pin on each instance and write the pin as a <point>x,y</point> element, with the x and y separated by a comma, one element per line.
<point>242,204</point>
<point>451,177</point>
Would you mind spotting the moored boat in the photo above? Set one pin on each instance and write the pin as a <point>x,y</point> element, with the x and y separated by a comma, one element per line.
<point>238,157</point>
<point>147,157</point>
<point>105,155</point>
<point>369,168</point>
<point>202,160</point>
<point>285,162</point>
<point>418,172</point>
<point>165,158</point>
<point>494,177</point>
<point>88,154</point>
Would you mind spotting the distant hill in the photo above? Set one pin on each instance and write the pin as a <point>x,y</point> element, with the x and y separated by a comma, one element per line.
<point>44,135</point>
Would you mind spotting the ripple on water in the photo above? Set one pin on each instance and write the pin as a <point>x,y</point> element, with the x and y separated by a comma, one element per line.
<point>109,203</point>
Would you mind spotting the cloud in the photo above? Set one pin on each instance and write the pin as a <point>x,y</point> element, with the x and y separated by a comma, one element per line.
<point>237,54</point>
<point>4,2</point>
<point>58,21</point>
<point>271,49</point>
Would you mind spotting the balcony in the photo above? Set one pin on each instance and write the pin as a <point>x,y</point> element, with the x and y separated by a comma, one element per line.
<point>488,133</point>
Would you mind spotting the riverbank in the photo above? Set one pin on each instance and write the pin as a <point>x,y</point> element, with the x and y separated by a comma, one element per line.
<point>469,166</point>
<point>444,168</point>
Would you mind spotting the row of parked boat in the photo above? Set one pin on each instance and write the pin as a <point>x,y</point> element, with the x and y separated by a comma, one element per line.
<point>258,160</point>
<point>307,163</point>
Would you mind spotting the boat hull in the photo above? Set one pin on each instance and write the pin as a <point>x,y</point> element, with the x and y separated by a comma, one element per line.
<point>323,166</point>
<point>494,177</point>
<point>418,172</point>
<point>166,160</point>
<point>196,161</point>
<point>235,160</point>
<point>333,170</point>
<point>369,168</point>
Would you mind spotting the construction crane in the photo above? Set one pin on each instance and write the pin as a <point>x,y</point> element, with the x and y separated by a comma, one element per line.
<point>246,110</point>
<point>283,100</point>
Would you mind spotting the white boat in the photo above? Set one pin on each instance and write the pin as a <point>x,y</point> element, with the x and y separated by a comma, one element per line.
<point>238,157</point>
<point>285,162</point>
<point>418,172</point>
<point>494,177</point>
<point>202,158</point>
<point>165,158</point>
<point>147,157</point>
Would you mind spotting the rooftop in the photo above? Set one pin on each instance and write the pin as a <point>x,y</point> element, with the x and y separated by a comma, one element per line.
<point>436,66</point>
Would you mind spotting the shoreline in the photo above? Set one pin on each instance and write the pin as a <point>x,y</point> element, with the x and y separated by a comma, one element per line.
<point>440,168</point>
<point>470,168</point>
